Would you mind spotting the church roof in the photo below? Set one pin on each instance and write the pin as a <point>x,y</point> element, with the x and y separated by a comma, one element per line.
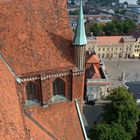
<point>11,120</point>
<point>61,120</point>
<point>80,35</point>
<point>35,36</point>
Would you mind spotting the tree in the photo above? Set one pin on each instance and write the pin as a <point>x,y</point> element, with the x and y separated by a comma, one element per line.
<point>122,113</point>
<point>114,27</point>
<point>128,25</point>
<point>110,29</point>
<point>138,2</point>
<point>72,2</point>
<point>104,131</point>
<point>76,12</point>
<point>96,29</point>
<point>122,109</point>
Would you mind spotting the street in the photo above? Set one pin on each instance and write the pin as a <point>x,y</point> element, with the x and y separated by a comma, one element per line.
<point>91,113</point>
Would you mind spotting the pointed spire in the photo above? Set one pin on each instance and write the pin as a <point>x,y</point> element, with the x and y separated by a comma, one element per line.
<point>80,35</point>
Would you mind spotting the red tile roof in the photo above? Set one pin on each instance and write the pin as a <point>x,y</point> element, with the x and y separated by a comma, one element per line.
<point>59,119</point>
<point>96,74</point>
<point>104,40</point>
<point>36,133</point>
<point>93,64</point>
<point>93,60</point>
<point>11,120</point>
<point>35,35</point>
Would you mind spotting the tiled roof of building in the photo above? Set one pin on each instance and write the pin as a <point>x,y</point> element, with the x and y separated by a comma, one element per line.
<point>93,59</point>
<point>35,35</point>
<point>11,120</point>
<point>61,120</point>
<point>93,65</point>
<point>96,74</point>
<point>104,40</point>
<point>35,132</point>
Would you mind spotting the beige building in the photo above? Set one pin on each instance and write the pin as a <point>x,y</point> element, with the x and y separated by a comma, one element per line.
<point>136,49</point>
<point>114,46</point>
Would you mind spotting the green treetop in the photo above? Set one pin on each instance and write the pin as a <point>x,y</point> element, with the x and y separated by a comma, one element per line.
<point>122,113</point>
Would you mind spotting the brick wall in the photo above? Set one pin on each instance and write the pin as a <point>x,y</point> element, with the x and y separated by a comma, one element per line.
<point>78,88</point>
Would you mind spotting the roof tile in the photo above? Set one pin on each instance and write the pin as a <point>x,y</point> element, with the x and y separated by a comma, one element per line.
<point>35,35</point>
<point>61,119</point>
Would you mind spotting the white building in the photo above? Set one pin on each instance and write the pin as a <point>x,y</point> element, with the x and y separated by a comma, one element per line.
<point>96,79</point>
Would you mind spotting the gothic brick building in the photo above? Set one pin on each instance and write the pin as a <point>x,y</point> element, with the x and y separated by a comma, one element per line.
<point>46,67</point>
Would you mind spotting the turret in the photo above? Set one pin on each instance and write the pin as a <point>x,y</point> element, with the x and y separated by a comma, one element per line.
<point>80,41</point>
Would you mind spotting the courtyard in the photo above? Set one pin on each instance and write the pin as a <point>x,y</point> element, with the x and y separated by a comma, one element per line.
<point>121,70</point>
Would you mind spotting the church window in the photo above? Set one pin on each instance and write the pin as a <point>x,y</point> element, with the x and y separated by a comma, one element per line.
<point>58,87</point>
<point>32,91</point>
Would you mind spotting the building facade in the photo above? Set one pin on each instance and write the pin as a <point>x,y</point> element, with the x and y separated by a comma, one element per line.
<point>114,46</point>
<point>96,79</point>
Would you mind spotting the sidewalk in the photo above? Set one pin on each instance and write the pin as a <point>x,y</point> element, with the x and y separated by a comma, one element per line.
<point>102,102</point>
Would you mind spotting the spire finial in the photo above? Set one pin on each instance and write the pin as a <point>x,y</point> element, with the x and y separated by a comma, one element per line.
<point>80,35</point>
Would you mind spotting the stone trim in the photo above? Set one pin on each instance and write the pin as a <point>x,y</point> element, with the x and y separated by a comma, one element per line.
<point>48,76</point>
<point>78,73</point>
<point>45,77</point>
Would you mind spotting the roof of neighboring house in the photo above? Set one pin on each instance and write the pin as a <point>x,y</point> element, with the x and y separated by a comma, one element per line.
<point>35,36</point>
<point>105,40</point>
<point>11,120</point>
<point>93,59</point>
<point>97,74</point>
<point>61,120</point>
<point>93,65</point>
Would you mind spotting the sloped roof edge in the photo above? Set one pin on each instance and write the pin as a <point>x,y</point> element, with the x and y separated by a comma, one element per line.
<point>11,70</point>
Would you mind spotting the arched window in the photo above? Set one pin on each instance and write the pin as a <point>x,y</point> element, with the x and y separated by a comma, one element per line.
<point>32,91</point>
<point>58,87</point>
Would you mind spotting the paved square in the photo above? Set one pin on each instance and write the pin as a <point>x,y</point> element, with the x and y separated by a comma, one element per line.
<point>115,68</point>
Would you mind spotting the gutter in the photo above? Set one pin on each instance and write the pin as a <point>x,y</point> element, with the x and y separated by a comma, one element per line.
<point>81,120</point>
<point>12,71</point>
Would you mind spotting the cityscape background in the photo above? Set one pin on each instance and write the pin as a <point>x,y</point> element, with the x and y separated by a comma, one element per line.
<point>129,1</point>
